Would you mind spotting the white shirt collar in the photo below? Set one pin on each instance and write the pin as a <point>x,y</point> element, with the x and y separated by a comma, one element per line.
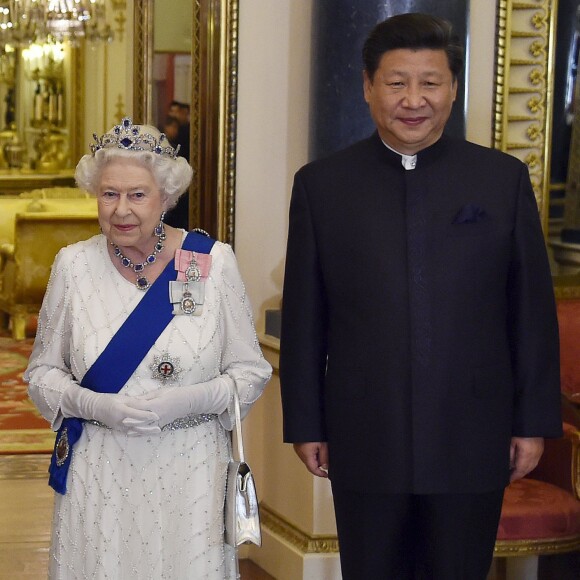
<point>407,161</point>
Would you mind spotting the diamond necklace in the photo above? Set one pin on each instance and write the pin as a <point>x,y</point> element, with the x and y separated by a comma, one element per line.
<point>142,283</point>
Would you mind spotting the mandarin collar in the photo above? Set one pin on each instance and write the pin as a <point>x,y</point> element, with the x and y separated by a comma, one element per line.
<point>425,157</point>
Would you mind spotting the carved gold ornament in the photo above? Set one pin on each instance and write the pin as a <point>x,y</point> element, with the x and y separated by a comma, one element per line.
<point>522,120</point>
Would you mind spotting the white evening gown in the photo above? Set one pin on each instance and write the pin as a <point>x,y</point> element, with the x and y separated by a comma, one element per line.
<point>148,506</point>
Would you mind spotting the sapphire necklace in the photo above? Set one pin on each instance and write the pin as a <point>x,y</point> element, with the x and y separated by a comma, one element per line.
<point>142,283</point>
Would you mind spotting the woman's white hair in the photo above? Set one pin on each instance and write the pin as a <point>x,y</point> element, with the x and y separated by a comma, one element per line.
<point>172,175</point>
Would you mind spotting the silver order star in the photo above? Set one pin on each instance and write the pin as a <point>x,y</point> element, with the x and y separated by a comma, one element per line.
<point>165,367</point>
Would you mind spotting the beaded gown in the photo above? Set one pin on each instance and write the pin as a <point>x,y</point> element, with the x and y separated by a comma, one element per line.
<point>143,506</point>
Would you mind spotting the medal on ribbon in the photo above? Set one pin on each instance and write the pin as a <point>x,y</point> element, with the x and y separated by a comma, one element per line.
<point>188,304</point>
<point>187,293</point>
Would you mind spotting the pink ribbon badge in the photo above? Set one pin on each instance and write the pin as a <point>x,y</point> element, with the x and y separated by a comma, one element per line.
<point>184,259</point>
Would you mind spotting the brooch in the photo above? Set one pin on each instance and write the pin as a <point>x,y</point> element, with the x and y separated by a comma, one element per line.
<point>165,367</point>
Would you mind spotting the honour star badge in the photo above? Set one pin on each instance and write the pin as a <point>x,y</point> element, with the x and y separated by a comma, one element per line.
<point>165,367</point>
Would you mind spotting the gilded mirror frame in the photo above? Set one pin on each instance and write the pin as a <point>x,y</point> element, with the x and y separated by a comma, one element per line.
<point>523,106</point>
<point>213,106</point>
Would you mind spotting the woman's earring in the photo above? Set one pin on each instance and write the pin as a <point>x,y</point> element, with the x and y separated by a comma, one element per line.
<point>159,230</point>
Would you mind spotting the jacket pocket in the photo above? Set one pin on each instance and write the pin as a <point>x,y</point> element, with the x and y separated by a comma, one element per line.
<point>468,230</point>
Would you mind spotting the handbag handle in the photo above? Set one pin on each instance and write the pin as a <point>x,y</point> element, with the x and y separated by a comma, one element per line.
<point>238,417</point>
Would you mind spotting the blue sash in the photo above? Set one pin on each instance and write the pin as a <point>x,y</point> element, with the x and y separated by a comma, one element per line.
<point>110,372</point>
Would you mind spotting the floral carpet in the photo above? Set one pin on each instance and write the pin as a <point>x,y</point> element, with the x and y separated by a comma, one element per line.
<point>22,429</point>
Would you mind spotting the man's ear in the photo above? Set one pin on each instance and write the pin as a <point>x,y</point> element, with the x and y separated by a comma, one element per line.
<point>454,85</point>
<point>367,85</point>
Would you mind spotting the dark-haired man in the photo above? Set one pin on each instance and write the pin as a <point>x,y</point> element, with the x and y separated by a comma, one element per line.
<point>178,217</point>
<point>419,354</point>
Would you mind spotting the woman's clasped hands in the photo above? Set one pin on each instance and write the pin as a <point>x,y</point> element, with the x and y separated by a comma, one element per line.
<point>171,403</point>
<point>146,414</point>
<point>118,412</point>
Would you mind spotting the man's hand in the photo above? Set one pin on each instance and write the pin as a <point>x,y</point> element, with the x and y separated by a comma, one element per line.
<point>525,452</point>
<point>314,456</point>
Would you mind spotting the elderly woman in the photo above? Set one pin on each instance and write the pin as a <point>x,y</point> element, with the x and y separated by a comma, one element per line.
<point>144,333</point>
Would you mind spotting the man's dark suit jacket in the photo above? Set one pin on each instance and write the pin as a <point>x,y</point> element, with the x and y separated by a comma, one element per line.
<point>419,331</point>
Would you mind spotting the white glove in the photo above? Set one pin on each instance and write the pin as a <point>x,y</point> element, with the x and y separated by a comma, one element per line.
<point>172,403</point>
<point>114,411</point>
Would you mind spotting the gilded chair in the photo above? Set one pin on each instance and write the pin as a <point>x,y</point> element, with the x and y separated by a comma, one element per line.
<point>25,264</point>
<point>541,513</point>
<point>568,299</point>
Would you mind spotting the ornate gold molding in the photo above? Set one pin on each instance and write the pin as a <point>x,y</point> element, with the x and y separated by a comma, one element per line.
<point>303,542</point>
<point>523,88</point>
<point>142,59</point>
<point>567,287</point>
<point>120,17</point>
<point>217,109</point>
<point>226,207</point>
<point>213,106</point>
<point>535,547</point>
<point>120,106</point>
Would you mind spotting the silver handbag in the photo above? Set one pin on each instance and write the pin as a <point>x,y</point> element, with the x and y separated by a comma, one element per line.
<point>242,516</point>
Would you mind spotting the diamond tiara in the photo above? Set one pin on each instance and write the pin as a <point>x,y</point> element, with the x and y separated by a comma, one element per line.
<point>129,137</point>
